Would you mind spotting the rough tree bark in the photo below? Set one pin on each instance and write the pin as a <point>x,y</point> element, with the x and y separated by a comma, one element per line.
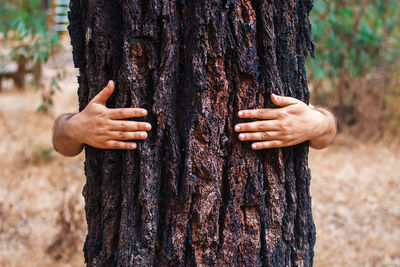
<point>193,194</point>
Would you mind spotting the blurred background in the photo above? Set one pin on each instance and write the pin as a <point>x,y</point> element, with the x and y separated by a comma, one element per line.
<point>356,181</point>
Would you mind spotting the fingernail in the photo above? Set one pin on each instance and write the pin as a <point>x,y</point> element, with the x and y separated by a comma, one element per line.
<point>241,136</point>
<point>237,128</point>
<point>143,135</point>
<point>240,113</point>
<point>254,146</point>
<point>144,112</point>
<point>133,146</point>
<point>148,126</point>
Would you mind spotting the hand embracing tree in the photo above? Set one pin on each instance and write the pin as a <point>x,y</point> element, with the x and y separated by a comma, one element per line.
<point>193,194</point>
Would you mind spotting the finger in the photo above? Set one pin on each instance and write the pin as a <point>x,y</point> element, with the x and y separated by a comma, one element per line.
<point>263,113</point>
<point>283,101</point>
<point>126,113</point>
<point>267,144</point>
<point>104,95</point>
<point>129,126</point>
<point>120,145</point>
<point>256,126</point>
<point>129,135</point>
<point>259,136</point>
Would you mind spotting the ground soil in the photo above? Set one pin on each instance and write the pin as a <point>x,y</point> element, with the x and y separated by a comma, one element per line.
<point>355,189</point>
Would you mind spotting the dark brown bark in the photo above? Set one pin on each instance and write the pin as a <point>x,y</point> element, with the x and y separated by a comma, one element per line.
<point>192,194</point>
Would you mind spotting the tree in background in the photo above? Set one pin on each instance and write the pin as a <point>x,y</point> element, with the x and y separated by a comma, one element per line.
<point>29,42</point>
<point>354,38</point>
<point>192,193</point>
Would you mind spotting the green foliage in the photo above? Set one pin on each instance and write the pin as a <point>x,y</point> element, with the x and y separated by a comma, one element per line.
<point>23,22</point>
<point>357,53</point>
<point>353,36</point>
<point>25,31</point>
<point>49,92</point>
<point>24,18</point>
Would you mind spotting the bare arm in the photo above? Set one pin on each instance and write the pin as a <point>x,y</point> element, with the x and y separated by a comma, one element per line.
<point>99,126</point>
<point>328,132</point>
<point>293,123</point>
<point>63,142</point>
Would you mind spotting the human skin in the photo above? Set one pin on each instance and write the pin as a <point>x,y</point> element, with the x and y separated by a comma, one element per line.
<point>292,123</point>
<point>99,126</point>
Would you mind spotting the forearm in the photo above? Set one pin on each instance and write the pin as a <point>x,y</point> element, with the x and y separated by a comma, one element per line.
<point>328,129</point>
<point>63,142</point>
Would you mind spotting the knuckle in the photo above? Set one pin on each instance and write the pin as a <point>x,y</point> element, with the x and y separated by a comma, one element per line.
<point>286,125</point>
<point>106,145</point>
<point>140,126</point>
<point>103,113</point>
<point>123,126</point>
<point>136,135</point>
<point>264,135</point>
<point>116,145</point>
<point>135,126</point>
<point>263,113</point>
<point>121,135</point>
<point>120,113</point>
<point>284,114</point>
<point>124,145</point>
<point>137,112</point>
<point>100,124</point>
<point>261,126</point>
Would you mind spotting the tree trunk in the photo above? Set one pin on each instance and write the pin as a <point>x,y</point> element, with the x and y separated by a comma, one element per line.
<point>19,76</point>
<point>192,194</point>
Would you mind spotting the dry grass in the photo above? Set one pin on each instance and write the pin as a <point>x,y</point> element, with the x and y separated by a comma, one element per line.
<point>356,197</point>
<point>355,188</point>
<point>40,191</point>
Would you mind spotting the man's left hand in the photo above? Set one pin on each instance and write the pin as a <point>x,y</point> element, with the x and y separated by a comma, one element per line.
<point>292,123</point>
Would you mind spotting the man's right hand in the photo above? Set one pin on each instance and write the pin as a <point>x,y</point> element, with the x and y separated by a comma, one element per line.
<point>100,127</point>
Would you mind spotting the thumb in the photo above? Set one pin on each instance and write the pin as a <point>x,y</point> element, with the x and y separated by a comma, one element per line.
<point>104,95</point>
<point>283,101</point>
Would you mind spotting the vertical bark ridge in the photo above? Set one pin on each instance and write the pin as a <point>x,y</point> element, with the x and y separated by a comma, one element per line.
<point>96,55</point>
<point>193,194</point>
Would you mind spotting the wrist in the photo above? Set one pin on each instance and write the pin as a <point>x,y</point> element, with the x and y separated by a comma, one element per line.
<point>71,128</point>
<point>320,124</point>
<point>325,128</point>
<point>63,140</point>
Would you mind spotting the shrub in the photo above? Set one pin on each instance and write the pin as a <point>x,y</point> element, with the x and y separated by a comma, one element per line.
<point>355,40</point>
<point>31,41</point>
